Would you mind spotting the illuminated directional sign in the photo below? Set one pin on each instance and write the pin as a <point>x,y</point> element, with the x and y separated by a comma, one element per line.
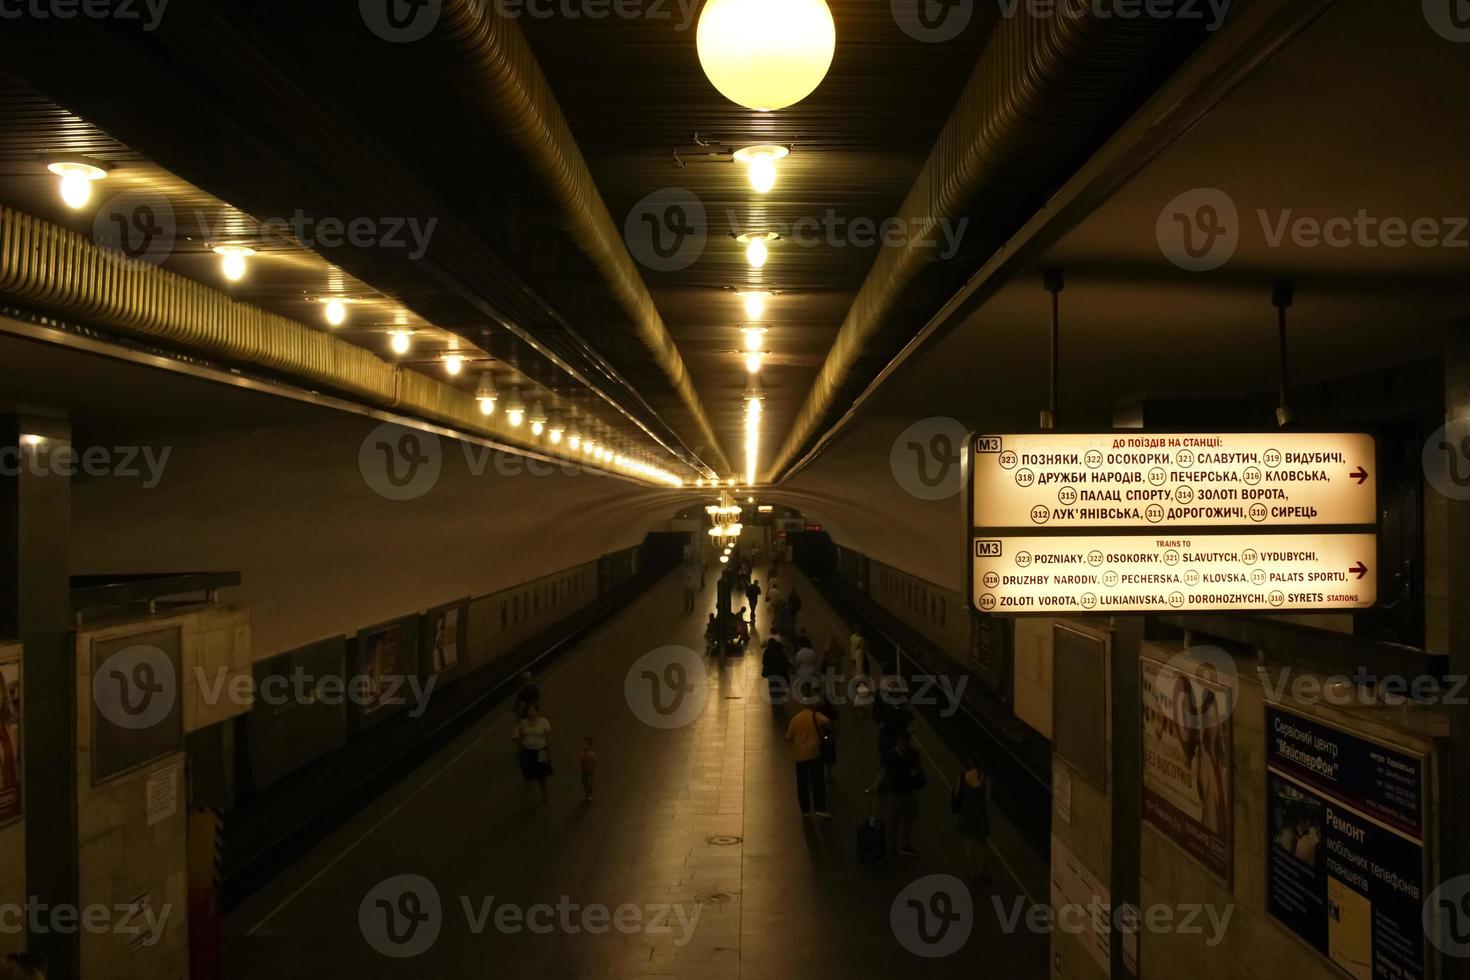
<point>1060,574</point>
<point>1177,522</point>
<point>1178,480</point>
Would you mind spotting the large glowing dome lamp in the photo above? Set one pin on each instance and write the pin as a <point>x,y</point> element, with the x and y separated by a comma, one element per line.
<point>766,54</point>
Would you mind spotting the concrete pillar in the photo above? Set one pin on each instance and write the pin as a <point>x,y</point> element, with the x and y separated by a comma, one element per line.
<point>38,523</point>
<point>1455,814</point>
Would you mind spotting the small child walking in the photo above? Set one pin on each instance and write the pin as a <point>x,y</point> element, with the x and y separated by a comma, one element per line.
<point>589,769</point>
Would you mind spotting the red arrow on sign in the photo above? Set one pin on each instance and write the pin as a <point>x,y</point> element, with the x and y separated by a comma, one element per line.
<point>1359,474</point>
<point>1360,569</point>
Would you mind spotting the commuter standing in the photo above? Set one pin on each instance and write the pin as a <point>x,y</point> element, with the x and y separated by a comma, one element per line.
<point>807,731</point>
<point>793,606</point>
<point>691,587</point>
<point>528,696</point>
<point>971,807</point>
<point>533,737</point>
<point>776,669</point>
<point>901,778</point>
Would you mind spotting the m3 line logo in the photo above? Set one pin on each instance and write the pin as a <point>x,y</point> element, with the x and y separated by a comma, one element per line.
<point>933,917</point>
<point>666,688</point>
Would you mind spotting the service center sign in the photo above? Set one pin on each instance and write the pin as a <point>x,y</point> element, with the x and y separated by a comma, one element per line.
<point>1108,481</point>
<point>1131,522</point>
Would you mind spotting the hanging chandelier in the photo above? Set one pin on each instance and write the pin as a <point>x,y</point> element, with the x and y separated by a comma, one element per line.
<point>724,518</point>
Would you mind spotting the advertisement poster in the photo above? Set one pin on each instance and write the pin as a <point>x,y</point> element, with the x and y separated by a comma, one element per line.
<point>1188,779</point>
<point>11,806</point>
<point>385,662</point>
<point>445,637</point>
<point>1345,862</point>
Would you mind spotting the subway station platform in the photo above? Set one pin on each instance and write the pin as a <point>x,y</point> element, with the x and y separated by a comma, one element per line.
<point>702,818</point>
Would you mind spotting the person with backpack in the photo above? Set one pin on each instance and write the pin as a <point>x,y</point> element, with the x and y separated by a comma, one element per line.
<point>971,807</point>
<point>899,781</point>
<point>808,732</point>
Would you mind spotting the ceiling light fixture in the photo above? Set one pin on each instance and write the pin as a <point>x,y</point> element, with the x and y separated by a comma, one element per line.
<point>537,418</point>
<point>400,341</point>
<point>232,260</point>
<point>556,429</point>
<point>515,412</point>
<point>753,361</point>
<point>766,54</point>
<point>754,337</point>
<point>336,312</point>
<point>755,304</point>
<point>486,394</point>
<point>574,436</point>
<point>761,161</point>
<point>453,363</point>
<point>77,176</point>
<point>756,249</point>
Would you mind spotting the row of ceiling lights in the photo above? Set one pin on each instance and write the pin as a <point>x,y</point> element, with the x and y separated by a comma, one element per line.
<point>764,55</point>
<point>79,174</point>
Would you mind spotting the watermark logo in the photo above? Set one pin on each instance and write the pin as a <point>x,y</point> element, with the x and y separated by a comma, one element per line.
<point>1210,13</point>
<point>925,458</point>
<point>667,230</point>
<point>1449,18</point>
<point>666,688</point>
<point>1213,690</point>
<point>933,21</point>
<point>138,921</point>
<point>1447,459</point>
<point>140,224</point>
<point>666,10</point>
<point>933,917</point>
<point>401,917</point>
<point>400,463</point>
<point>1447,917</point>
<point>1199,230</point>
<point>401,21</point>
<point>148,13</point>
<point>135,688</point>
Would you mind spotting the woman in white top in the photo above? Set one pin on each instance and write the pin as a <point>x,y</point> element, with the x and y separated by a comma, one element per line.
<point>533,734</point>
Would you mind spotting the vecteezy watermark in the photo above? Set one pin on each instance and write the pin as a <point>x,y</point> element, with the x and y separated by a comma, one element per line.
<point>299,688</point>
<point>667,688</point>
<point>1449,18</point>
<point>402,463</point>
<point>1204,686</point>
<point>401,21</point>
<point>1364,688</point>
<point>1211,14</point>
<point>143,463</point>
<point>1098,916</point>
<point>148,13</point>
<point>916,690</point>
<point>137,920</point>
<point>144,226</point>
<point>136,688</point>
<point>1447,917</point>
<point>933,917</point>
<point>403,917</point>
<point>926,458</point>
<point>932,21</point>
<point>832,230</point>
<point>667,231</point>
<point>1447,459</point>
<point>1201,230</point>
<point>682,12</point>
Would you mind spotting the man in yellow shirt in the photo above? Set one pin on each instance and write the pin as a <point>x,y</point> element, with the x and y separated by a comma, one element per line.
<point>805,733</point>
